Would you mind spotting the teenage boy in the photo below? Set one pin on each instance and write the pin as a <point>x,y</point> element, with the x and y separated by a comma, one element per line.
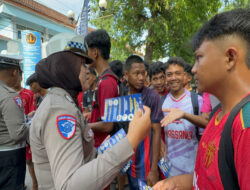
<point>180,135</point>
<point>99,46</point>
<point>158,79</point>
<point>146,156</point>
<point>222,49</point>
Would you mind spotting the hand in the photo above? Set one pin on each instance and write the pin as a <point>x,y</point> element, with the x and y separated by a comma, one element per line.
<point>139,127</point>
<point>87,115</point>
<point>163,150</point>
<point>31,114</point>
<point>177,182</point>
<point>153,177</point>
<point>166,184</point>
<point>174,114</point>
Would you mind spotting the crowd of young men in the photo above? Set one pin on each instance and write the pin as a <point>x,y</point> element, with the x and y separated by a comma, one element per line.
<point>179,112</point>
<point>167,90</point>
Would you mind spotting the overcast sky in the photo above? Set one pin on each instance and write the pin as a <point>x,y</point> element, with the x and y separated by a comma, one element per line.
<point>63,6</point>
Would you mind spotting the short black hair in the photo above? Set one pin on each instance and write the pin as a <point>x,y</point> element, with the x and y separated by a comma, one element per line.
<point>188,69</point>
<point>32,78</point>
<point>99,39</point>
<point>155,69</point>
<point>234,22</point>
<point>176,61</point>
<point>131,60</point>
<point>92,71</point>
<point>117,67</point>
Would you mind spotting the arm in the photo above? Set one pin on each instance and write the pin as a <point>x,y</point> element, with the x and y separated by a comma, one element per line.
<point>175,114</point>
<point>180,182</point>
<point>153,175</point>
<point>101,127</point>
<point>16,125</point>
<point>66,156</point>
<point>197,120</point>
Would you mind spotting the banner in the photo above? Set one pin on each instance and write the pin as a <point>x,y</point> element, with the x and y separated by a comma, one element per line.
<point>31,41</point>
<point>82,23</point>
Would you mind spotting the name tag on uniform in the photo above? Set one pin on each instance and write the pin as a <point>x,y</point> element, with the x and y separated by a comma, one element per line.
<point>143,185</point>
<point>122,108</point>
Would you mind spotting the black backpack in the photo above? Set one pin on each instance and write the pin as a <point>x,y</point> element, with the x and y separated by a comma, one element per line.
<point>226,164</point>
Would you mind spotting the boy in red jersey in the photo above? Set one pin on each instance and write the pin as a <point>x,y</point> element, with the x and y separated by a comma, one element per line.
<point>222,50</point>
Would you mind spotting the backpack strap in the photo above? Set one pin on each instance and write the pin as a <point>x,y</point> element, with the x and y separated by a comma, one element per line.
<point>195,104</point>
<point>106,73</point>
<point>226,164</point>
<point>216,108</point>
<point>163,98</point>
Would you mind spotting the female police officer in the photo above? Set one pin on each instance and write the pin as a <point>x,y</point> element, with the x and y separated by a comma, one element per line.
<point>61,141</point>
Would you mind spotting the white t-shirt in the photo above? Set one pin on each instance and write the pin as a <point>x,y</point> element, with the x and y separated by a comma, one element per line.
<point>180,136</point>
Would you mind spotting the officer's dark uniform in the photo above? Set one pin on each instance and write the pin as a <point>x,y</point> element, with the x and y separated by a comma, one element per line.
<point>13,133</point>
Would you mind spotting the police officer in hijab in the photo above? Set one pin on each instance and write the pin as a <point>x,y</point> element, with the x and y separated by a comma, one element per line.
<point>61,141</point>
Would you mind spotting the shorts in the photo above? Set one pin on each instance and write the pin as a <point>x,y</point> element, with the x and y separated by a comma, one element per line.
<point>12,169</point>
<point>28,153</point>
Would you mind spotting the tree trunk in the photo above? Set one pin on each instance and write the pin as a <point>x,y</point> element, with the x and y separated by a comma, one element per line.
<point>149,52</point>
<point>149,46</point>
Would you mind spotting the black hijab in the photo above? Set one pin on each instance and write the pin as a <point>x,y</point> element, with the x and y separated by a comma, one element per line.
<point>62,70</point>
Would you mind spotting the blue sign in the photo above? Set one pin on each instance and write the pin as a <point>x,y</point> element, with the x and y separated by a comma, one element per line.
<point>122,108</point>
<point>31,41</point>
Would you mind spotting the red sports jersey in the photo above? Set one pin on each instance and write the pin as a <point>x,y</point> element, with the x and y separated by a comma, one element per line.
<point>28,100</point>
<point>207,174</point>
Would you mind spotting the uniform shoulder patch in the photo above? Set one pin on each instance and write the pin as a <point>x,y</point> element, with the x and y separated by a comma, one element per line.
<point>18,101</point>
<point>66,125</point>
<point>245,116</point>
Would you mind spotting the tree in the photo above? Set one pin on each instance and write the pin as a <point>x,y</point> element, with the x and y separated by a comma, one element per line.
<point>162,27</point>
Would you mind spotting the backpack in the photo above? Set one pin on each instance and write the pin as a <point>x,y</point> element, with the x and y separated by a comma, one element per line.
<point>226,164</point>
<point>195,105</point>
<point>121,92</point>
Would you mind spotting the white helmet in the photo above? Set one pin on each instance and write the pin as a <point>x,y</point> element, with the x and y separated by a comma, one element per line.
<point>68,42</point>
<point>13,54</point>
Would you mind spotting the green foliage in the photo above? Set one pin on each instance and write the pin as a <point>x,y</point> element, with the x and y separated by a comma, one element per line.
<point>162,27</point>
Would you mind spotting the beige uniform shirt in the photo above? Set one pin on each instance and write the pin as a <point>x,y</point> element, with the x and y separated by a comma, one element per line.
<point>62,163</point>
<point>13,130</point>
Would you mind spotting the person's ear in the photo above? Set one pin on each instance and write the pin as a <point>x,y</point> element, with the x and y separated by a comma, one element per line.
<point>126,75</point>
<point>14,72</point>
<point>96,53</point>
<point>232,56</point>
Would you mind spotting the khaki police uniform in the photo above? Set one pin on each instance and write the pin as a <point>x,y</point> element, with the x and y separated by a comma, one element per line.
<point>13,134</point>
<point>62,163</point>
